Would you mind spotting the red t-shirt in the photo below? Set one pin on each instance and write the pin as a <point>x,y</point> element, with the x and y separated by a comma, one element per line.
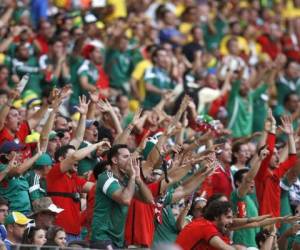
<point>69,219</point>
<point>220,182</point>
<point>139,227</point>
<point>19,137</point>
<point>270,204</point>
<point>197,235</point>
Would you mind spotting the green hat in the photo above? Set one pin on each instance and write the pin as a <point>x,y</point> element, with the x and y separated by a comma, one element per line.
<point>43,160</point>
<point>151,142</point>
<point>52,135</point>
<point>16,217</point>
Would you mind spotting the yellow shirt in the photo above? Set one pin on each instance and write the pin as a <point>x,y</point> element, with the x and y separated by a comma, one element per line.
<point>138,75</point>
<point>120,9</point>
<point>241,41</point>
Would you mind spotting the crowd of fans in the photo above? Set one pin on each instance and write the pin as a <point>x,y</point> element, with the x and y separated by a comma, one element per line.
<point>150,124</point>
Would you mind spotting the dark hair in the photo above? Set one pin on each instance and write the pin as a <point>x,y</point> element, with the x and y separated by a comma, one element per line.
<point>62,151</point>
<point>287,97</point>
<point>51,234</point>
<point>261,237</point>
<point>3,201</point>
<point>114,151</point>
<point>99,168</point>
<point>104,132</point>
<point>155,53</point>
<point>214,197</point>
<point>216,208</point>
<point>235,149</point>
<point>29,233</point>
<point>238,176</point>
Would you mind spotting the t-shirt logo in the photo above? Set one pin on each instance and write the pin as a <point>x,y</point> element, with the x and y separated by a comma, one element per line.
<point>241,206</point>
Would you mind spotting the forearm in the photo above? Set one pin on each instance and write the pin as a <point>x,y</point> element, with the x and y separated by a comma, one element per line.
<point>7,16</point>
<point>292,144</point>
<point>46,130</point>
<point>79,132</point>
<point>268,244</point>
<point>4,112</point>
<point>153,89</point>
<point>180,223</point>
<point>4,45</point>
<point>116,122</point>
<point>129,191</point>
<point>37,116</point>
<point>91,112</point>
<point>24,166</point>
<point>123,137</point>
<point>84,152</point>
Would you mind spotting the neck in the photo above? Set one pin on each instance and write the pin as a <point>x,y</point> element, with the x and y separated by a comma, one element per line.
<point>117,172</point>
<point>12,239</point>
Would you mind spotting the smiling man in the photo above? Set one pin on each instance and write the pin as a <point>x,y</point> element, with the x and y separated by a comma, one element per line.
<point>210,232</point>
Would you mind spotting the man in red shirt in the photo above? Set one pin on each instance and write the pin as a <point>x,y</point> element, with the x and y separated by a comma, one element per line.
<point>64,186</point>
<point>209,232</point>
<point>221,180</point>
<point>271,170</point>
<point>13,129</point>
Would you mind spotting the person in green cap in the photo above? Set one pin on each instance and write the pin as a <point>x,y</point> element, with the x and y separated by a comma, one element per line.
<point>16,224</point>
<point>36,177</point>
<point>14,186</point>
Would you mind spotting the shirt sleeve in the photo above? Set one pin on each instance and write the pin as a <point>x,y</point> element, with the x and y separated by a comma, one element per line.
<point>265,163</point>
<point>24,130</point>
<point>109,185</point>
<point>155,188</point>
<point>285,166</point>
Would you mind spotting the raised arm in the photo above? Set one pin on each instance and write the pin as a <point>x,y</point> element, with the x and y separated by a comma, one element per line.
<point>6,107</point>
<point>82,109</point>
<point>254,167</point>
<point>80,154</point>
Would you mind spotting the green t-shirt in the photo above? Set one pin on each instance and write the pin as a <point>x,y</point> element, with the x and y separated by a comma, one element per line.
<point>246,206</point>
<point>286,86</point>
<point>37,185</point>
<point>260,106</point>
<point>109,216</point>
<point>167,231</point>
<point>31,68</point>
<point>160,79</point>
<point>119,66</point>
<point>240,110</point>
<point>15,190</point>
<point>213,39</point>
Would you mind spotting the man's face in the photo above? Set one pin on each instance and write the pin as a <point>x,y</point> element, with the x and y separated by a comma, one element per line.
<point>243,154</point>
<point>3,75</point>
<point>293,70</point>
<point>46,30</point>
<point>3,99</point>
<point>96,57</point>
<point>224,222</point>
<point>122,159</point>
<point>75,166</point>
<point>3,213</point>
<point>274,159</point>
<point>61,123</point>
<point>23,53</point>
<point>66,139</point>
<point>53,145</point>
<point>226,153</point>
<point>161,59</point>
<point>252,184</point>
<point>292,103</point>
<point>91,134</point>
<point>17,231</point>
<point>13,120</point>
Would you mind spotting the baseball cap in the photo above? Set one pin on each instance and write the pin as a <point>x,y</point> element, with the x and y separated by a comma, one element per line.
<point>43,160</point>
<point>90,18</point>
<point>52,135</point>
<point>89,123</point>
<point>16,217</point>
<point>45,204</point>
<point>8,146</point>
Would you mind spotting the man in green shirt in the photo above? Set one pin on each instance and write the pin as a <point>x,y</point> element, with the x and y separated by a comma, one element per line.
<point>157,79</point>
<point>36,177</point>
<point>14,186</point>
<point>87,74</point>
<point>240,107</point>
<point>115,189</point>
<point>119,65</point>
<point>243,204</point>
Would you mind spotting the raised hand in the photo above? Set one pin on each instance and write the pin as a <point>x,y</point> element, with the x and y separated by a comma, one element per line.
<point>104,106</point>
<point>286,125</point>
<point>264,153</point>
<point>136,117</point>
<point>270,121</point>
<point>94,96</point>
<point>103,146</point>
<point>83,105</point>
